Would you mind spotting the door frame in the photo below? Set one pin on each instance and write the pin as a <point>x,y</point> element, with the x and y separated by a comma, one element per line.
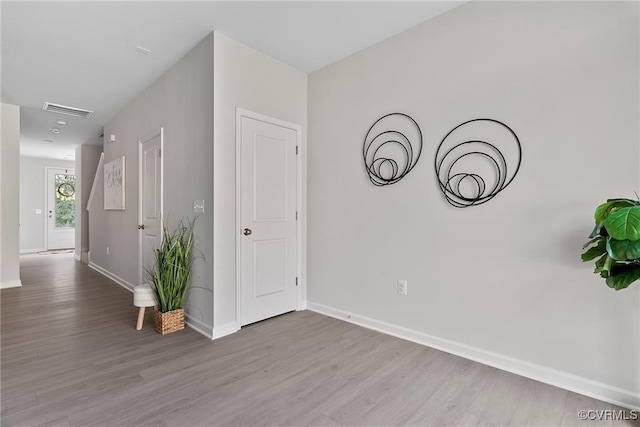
<point>301,197</point>
<point>46,201</point>
<point>159,132</point>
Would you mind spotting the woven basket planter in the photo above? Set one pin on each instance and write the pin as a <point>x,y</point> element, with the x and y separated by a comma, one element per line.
<point>171,321</point>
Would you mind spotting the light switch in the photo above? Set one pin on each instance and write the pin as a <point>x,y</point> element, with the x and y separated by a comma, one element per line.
<point>39,211</point>
<point>198,206</point>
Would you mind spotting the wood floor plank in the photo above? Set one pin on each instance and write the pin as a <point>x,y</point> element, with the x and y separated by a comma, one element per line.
<point>539,406</point>
<point>453,392</point>
<point>70,356</point>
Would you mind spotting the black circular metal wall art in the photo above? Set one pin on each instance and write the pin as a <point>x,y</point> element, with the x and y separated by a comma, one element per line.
<point>388,152</point>
<point>457,163</point>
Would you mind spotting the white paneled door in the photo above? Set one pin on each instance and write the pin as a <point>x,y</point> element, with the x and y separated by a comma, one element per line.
<point>61,208</point>
<point>150,202</point>
<point>268,226</point>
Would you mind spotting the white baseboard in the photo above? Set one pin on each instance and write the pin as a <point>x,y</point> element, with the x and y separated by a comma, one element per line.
<point>128,286</point>
<point>597,390</point>
<point>77,257</point>
<point>198,326</point>
<point>191,322</point>
<point>224,330</point>
<point>32,251</point>
<point>209,332</point>
<point>11,284</point>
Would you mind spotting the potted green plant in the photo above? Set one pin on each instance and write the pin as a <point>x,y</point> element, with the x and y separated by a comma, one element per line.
<point>170,277</point>
<point>615,242</point>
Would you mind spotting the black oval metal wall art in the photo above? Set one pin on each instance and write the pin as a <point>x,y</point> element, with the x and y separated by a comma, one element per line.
<point>451,165</point>
<point>389,154</point>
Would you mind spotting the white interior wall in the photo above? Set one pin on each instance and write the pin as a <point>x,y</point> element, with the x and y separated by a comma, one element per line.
<point>248,79</point>
<point>87,158</point>
<point>33,196</point>
<point>181,102</point>
<point>218,71</point>
<point>9,196</point>
<point>503,280</point>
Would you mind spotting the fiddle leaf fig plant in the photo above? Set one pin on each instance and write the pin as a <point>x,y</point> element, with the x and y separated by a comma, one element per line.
<point>615,242</point>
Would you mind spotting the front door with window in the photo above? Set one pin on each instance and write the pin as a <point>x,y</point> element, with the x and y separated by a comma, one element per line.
<point>61,208</point>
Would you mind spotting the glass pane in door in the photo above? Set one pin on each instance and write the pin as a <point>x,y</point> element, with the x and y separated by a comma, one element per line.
<point>65,201</point>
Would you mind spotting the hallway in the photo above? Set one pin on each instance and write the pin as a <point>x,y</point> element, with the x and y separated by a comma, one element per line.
<point>70,351</point>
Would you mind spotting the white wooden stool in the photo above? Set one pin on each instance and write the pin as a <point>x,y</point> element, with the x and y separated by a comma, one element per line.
<point>142,297</point>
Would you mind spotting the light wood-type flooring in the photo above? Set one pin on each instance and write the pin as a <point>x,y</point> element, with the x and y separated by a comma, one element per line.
<point>71,356</point>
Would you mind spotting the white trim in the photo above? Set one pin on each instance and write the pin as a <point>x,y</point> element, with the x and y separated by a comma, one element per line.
<point>191,322</point>
<point>32,251</point>
<point>88,257</point>
<point>237,226</point>
<point>597,390</point>
<point>77,257</point>
<point>46,207</point>
<point>301,196</point>
<point>11,284</point>
<point>95,180</point>
<point>120,281</point>
<point>198,326</point>
<point>141,142</point>
<point>224,330</point>
<point>209,332</point>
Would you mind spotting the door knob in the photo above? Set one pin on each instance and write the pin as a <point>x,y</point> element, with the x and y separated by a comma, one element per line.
<point>247,231</point>
<point>141,227</point>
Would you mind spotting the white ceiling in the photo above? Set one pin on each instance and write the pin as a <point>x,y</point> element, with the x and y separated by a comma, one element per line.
<point>82,54</point>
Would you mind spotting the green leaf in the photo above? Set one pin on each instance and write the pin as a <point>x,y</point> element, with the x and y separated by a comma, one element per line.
<point>600,264</point>
<point>591,241</point>
<point>624,224</point>
<point>607,266</point>
<point>605,209</point>
<point>603,266</point>
<point>170,277</point>
<point>595,251</point>
<point>622,250</point>
<point>623,275</point>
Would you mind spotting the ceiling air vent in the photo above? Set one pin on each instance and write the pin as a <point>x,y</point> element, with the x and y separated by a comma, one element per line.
<point>70,111</point>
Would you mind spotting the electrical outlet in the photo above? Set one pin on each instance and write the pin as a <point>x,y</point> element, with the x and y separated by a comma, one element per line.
<point>107,250</point>
<point>402,287</point>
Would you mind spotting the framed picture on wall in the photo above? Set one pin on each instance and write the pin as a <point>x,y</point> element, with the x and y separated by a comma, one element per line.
<point>114,185</point>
